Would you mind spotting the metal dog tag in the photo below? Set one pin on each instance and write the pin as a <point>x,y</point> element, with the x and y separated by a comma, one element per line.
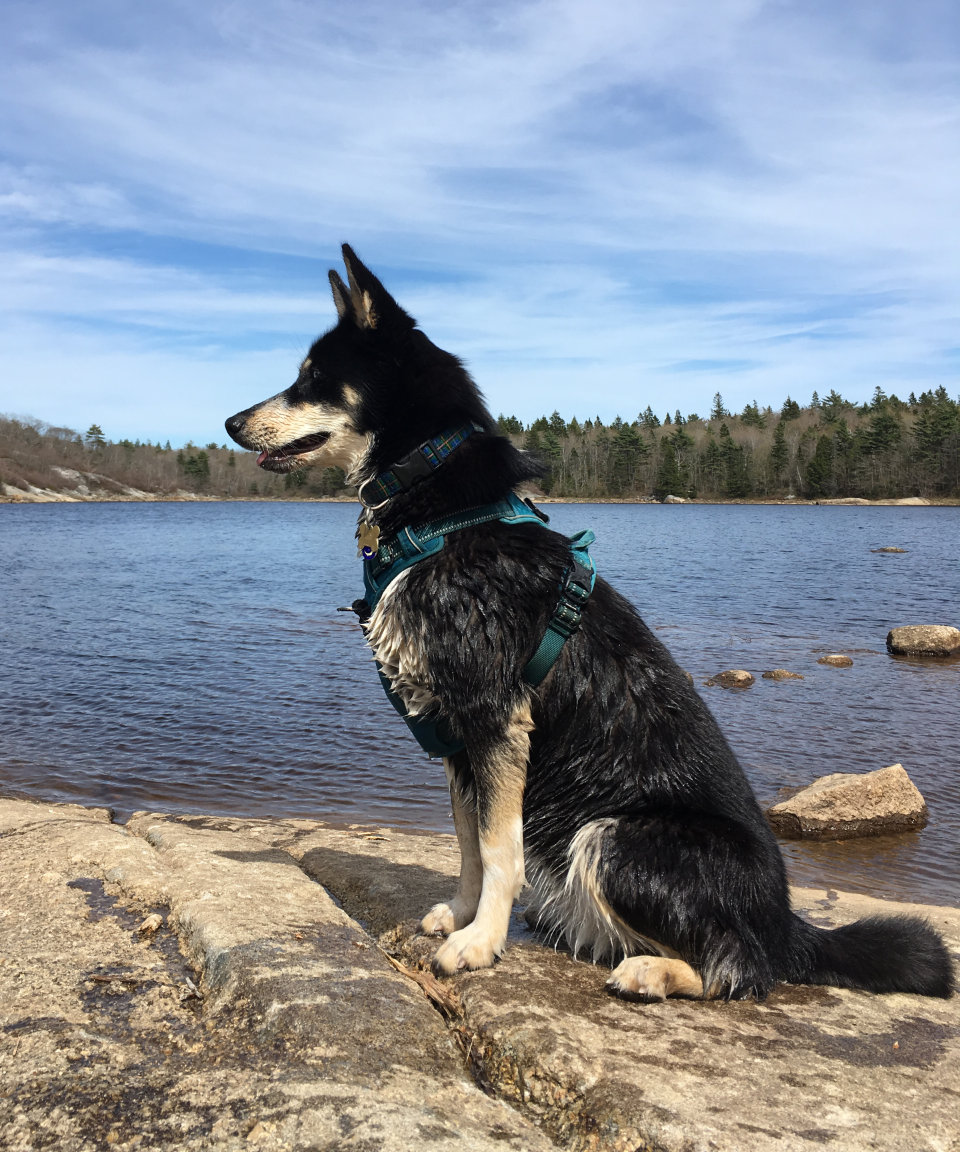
<point>368,540</point>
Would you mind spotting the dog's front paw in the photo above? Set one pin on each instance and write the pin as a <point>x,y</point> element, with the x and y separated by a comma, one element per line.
<point>440,920</point>
<point>447,918</point>
<point>471,947</point>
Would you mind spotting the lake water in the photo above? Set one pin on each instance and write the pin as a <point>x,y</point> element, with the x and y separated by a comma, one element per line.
<point>189,657</point>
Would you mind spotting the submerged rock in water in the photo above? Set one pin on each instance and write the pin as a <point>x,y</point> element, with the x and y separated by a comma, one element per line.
<point>888,549</point>
<point>848,804</point>
<point>924,640</point>
<point>836,660</point>
<point>732,678</point>
<point>781,674</point>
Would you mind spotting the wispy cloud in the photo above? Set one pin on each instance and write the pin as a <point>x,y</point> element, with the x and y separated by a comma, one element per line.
<point>599,206</point>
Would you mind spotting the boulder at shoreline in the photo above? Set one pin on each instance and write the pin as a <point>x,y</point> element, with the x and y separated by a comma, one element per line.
<point>283,1003</point>
<point>924,640</point>
<point>848,804</point>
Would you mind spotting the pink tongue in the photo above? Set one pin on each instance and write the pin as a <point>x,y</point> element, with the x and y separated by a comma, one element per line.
<point>262,457</point>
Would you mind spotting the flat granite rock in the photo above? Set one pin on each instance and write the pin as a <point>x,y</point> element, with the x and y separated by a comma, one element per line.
<point>305,1035</point>
<point>260,1015</point>
<point>845,805</point>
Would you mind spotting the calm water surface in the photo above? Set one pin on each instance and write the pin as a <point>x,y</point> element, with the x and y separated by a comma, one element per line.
<point>190,657</point>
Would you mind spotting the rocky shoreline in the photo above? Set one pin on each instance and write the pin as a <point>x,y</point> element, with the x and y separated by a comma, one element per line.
<point>33,495</point>
<point>204,983</point>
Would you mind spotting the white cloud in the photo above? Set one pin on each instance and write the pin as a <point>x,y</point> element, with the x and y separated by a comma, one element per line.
<point>582,199</point>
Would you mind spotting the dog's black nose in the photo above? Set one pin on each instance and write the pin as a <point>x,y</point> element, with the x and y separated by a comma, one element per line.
<point>234,425</point>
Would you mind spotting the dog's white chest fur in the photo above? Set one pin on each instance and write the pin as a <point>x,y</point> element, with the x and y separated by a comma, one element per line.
<point>396,643</point>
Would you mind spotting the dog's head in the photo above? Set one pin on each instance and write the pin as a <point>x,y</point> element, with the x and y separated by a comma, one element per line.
<point>369,390</point>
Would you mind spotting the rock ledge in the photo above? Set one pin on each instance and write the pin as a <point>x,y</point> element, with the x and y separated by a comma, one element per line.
<point>263,1015</point>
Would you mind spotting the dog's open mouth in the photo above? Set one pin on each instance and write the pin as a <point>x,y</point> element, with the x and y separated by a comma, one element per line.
<point>286,458</point>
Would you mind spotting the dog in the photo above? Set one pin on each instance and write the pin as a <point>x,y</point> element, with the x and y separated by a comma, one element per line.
<point>606,783</point>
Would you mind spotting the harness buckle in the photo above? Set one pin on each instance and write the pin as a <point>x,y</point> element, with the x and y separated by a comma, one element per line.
<point>414,466</point>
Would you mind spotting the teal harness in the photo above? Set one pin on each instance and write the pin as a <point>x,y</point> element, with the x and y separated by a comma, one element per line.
<point>411,545</point>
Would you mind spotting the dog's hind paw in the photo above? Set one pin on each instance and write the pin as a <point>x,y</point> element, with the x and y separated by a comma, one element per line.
<point>654,978</point>
<point>471,947</point>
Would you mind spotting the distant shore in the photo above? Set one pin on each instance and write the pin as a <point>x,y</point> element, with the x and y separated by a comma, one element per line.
<point>49,496</point>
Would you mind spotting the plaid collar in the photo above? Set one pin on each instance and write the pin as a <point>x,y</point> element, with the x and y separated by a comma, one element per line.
<point>423,460</point>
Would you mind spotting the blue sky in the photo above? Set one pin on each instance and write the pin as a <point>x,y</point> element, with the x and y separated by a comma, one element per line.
<point>598,206</point>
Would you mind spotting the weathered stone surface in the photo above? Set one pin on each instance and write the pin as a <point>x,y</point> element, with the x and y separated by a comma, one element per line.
<point>305,1039</point>
<point>781,674</point>
<point>302,1036</point>
<point>836,660</point>
<point>732,678</point>
<point>810,1067</point>
<point>924,640</point>
<point>847,804</point>
<point>888,549</point>
<point>674,500</point>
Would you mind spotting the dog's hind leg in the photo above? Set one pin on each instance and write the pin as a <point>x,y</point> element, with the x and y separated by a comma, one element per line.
<point>500,772</point>
<point>462,908</point>
<point>708,894</point>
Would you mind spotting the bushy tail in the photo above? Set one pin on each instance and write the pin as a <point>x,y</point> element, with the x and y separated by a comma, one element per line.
<point>878,954</point>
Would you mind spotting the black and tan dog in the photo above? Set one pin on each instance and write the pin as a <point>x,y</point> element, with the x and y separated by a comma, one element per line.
<point>607,782</point>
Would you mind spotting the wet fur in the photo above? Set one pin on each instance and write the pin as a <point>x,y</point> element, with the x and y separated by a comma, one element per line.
<point>610,785</point>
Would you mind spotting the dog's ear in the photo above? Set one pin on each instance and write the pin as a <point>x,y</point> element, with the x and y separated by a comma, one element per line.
<point>369,299</point>
<point>341,295</point>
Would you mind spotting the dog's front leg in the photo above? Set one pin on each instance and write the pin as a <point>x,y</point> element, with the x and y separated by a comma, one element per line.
<point>500,772</point>
<point>462,908</point>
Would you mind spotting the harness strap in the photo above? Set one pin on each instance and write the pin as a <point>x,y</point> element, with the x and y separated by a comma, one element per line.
<point>578,582</point>
<point>412,545</point>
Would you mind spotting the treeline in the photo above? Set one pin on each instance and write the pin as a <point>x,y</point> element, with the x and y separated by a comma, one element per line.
<point>35,455</point>
<point>830,448</point>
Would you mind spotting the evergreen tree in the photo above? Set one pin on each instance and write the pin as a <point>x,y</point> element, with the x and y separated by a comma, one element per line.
<point>627,454</point>
<point>196,467</point>
<point>833,406</point>
<point>779,453</point>
<point>751,416</point>
<point>673,465</point>
<point>790,410</point>
<point>718,411</point>
<point>884,432</point>
<point>818,477</point>
<point>94,438</point>
<point>736,479</point>
<point>509,426</point>
<point>669,482</point>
